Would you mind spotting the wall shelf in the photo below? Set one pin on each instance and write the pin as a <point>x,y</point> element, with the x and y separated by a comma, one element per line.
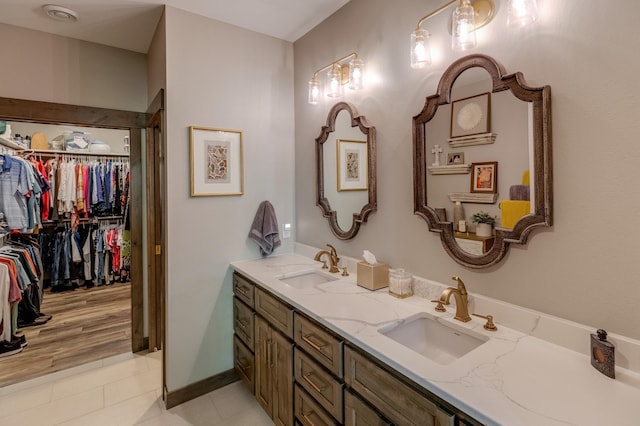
<point>482,139</point>
<point>473,197</point>
<point>457,169</point>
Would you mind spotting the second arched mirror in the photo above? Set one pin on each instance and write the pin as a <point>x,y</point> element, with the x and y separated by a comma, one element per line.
<point>346,170</point>
<point>479,122</point>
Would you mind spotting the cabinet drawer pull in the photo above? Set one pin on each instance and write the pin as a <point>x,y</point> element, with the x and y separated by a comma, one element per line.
<point>243,364</point>
<point>243,322</point>
<point>242,290</point>
<point>318,345</point>
<point>307,416</point>
<point>307,378</point>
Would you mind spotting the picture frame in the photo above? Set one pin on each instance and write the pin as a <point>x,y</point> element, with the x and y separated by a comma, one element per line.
<point>352,165</point>
<point>484,177</point>
<point>216,162</point>
<point>471,116</point>
<point>455,158</point>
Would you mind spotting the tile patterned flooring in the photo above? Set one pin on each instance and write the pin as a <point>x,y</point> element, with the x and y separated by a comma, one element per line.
<point>119,391</point>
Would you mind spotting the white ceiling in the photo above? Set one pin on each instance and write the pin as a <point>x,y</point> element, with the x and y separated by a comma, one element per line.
<point>130,24</point>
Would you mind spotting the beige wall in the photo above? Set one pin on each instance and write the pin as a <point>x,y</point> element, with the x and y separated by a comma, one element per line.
<point>45,67</point>
<point>585,268</point>
<point>219,76</point>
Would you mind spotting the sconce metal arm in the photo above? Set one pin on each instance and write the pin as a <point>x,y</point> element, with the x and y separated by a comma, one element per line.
<point>353,55</point>
<point>434,13</point>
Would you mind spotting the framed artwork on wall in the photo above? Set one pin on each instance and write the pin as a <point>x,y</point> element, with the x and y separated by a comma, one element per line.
<point>484,177</point>
<point>216,162</point>
<point>352,165</point>
<point>455,158</point>
<point>471,116</point>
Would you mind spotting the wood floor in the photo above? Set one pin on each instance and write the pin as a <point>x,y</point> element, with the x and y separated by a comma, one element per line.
<point>87,325</point>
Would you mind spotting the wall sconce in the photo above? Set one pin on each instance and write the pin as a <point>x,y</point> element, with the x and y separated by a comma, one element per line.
<point>468,16</point>
<point>339,74</point>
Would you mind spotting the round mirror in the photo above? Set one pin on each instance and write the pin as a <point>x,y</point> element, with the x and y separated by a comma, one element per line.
<point>482,162</point>
<point>345,164</point>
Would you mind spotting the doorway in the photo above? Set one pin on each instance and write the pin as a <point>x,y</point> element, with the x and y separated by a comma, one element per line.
<point>134,123</point>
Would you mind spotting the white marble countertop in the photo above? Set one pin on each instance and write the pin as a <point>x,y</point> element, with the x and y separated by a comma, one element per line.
<point>513,379</point>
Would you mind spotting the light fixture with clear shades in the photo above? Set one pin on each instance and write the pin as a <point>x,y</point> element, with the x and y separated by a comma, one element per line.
<point>521,13</point>
<point>339,73</point>
<point>468,16</point>
<point>420,52</point>
<point>463,26</point>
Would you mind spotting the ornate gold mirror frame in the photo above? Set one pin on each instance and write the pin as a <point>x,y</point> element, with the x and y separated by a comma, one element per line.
<point>540,99</point>
<point>371,206</point>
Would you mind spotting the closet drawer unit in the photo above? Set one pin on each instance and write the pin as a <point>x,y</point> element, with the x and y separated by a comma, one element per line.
<point>243,362</point>
<point>358,413</point>
<point>275,312</point>
<point>243,288</point>
<point>320,344</point>
<point>400,403</point>
<point>243,322</point>
<point>308,412</point>
<point>319,383</point>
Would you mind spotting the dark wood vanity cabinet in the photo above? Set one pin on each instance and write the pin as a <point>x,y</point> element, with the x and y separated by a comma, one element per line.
<point>302,373</point>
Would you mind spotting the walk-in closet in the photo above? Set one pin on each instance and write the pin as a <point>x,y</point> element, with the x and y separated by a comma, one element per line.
<point>65,255</point>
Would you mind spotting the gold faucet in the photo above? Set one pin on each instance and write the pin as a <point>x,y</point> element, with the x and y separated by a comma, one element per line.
<point>460,294</point>
<point>333,258</point>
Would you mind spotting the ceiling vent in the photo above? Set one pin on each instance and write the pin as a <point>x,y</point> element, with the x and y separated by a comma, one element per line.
<point>60,13</point>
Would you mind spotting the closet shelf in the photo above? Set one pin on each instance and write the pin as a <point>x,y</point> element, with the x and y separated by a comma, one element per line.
<point>87,154</point>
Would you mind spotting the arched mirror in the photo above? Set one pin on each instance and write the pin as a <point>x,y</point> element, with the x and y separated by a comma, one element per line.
<point>482,153</point>
<point>346,170</point>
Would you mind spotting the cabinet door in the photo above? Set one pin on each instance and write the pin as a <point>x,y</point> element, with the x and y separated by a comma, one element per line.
<point>282,379</point>
<point>263,356</point>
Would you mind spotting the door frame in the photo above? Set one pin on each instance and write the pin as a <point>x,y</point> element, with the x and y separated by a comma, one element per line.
<point>55,113</point>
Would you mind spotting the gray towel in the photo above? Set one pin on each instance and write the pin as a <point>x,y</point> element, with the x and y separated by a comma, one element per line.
<point>264,230</point>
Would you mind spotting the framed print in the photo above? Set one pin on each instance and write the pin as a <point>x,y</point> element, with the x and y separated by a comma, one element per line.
<point>216,162</point>
<point>352,165</point>
<point>471,116</point>
<point>484,177</point>
<point>454,158</point>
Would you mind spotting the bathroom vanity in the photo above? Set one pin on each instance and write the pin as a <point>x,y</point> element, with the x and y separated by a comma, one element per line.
<point>335,353</point>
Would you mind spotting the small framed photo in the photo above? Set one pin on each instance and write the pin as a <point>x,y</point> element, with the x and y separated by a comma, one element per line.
<point>352,165</point>
<point>455,158</point>
<point>484,177</point>
<point>216,162</point>
<point>471,116</point>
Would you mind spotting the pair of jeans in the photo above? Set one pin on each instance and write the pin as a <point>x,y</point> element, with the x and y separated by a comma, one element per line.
<point>61,259</point>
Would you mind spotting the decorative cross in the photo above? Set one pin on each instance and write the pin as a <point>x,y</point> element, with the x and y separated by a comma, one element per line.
<point>436,151</point>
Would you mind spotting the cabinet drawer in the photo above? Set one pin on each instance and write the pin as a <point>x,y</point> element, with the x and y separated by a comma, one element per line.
<point>308,412</point>
<point>243,321</point>
<point>317,342</point>
<point>279,315</point>
<point>358,413</point>
<point>243,288</point>
<point>319,383</point>
<point>399,403</point>
<point>243,362</point>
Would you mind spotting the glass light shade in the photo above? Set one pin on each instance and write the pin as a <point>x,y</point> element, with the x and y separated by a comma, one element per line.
<point>463,26</point>
<point>356,71</point>
<point>334,86</point>
<point>420,52</point>
<point>314,91</point>
<point>521,13</point>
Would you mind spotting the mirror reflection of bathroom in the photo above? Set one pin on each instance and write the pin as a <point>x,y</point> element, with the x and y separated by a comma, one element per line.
<point>345,170</point>
<point>484,144</point>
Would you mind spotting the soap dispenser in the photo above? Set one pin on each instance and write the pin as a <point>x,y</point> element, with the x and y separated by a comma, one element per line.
<point>603,354</point>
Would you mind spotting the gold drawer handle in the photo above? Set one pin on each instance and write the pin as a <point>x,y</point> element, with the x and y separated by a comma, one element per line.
<point>243,290</point>
<point>243,322</point>
<point>318,345</point>
<point>307,378</point>
<point>307,416</point>
<point>244,366</point>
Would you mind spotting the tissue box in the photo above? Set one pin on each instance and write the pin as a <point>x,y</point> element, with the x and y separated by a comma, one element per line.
<point>372,277</point>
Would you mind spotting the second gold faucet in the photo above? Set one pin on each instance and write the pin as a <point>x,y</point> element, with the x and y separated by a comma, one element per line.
<point>333,258</point>
<point>461,296</point>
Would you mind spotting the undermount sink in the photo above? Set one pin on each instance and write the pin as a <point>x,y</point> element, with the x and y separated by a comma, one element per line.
<point>305,279</point>
<point>432,339</point>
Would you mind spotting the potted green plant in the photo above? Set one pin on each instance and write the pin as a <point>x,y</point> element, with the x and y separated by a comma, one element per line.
<point>484,223</point>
